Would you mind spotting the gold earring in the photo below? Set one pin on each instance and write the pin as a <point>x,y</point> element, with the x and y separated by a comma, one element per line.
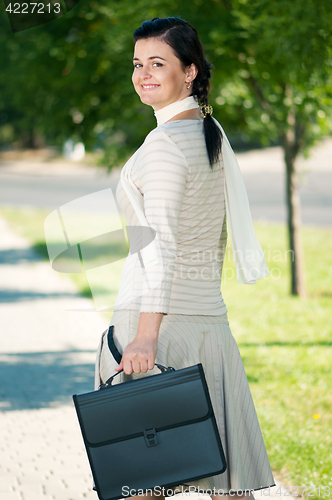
<point>189,85</point>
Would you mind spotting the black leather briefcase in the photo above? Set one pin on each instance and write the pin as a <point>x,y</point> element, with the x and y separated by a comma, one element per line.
<point>157,431</point>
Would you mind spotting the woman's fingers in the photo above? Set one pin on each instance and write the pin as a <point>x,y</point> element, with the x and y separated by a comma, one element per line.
<point>137,364</point>
<point>120,367</point>
<point>151,362</point>
<point>127,365</point>
<point>138,357</point>
<point>144,365</point>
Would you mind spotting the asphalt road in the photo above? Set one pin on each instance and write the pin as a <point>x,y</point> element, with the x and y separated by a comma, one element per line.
<point>50,191</point>
<point>267,195</point>
<point>40,185</point>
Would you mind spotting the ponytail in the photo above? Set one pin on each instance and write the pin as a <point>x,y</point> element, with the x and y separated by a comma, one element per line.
<point>212,133</point>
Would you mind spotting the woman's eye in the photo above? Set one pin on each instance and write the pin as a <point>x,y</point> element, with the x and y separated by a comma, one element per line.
<point>156,64</point>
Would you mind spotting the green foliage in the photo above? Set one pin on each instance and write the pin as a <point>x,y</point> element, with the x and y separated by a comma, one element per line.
<point>72,77</point>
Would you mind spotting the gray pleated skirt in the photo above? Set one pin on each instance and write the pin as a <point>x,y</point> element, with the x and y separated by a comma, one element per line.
<point>186,340</point>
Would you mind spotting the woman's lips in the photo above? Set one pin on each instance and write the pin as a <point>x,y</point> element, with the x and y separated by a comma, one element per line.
<point>150,87</point>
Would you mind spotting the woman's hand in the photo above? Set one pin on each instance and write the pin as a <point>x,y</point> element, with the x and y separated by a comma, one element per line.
<point>140,354</point>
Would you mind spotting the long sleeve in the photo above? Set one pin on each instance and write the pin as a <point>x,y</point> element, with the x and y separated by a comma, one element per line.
<point>163,172</point>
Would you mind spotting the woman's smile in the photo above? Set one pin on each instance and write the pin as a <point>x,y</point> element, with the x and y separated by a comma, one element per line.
<point>146,86</point>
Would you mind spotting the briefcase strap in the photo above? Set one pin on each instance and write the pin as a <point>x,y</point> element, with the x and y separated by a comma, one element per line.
<point>109,381</point>
<point>111,344</point>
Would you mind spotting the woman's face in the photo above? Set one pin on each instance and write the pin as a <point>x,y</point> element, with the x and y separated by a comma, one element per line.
<point>158,76</point>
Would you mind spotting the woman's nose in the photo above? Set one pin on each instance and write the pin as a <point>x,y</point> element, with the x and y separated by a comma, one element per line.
<point>145,73</point>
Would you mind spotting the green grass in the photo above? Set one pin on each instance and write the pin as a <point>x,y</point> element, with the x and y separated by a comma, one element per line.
<point>286,346</point>
<point>285,343</point>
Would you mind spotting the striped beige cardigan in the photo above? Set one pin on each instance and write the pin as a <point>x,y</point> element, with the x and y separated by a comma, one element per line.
<point>183,201</point>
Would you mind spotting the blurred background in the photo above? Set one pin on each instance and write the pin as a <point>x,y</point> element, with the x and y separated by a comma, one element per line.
<point>69,119</point>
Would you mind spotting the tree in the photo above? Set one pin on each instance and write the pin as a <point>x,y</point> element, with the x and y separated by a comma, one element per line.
<point>72,77</point>
<point>283,87</point>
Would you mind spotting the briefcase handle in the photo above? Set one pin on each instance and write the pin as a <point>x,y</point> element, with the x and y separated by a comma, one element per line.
<point>109,381</point>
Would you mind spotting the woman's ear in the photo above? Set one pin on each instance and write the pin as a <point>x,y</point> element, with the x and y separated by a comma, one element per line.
<point>192,72</point>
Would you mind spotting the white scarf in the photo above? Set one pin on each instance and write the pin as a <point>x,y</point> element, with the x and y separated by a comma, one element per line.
<point>248,254</point>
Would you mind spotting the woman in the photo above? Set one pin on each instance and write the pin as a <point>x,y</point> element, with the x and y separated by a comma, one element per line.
<point>181,183</point>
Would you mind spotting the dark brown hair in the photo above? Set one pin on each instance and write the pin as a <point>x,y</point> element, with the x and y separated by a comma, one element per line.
<point>187,46</point>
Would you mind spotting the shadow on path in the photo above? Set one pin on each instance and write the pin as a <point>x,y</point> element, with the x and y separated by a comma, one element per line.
<point>14,256</point>
<point>44,379</point>
<point>10,296</point>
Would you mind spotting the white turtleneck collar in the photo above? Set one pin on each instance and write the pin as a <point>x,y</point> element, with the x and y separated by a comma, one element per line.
<point>175,108</point>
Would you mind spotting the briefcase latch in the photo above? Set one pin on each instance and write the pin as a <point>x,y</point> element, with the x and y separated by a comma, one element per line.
<point>150,436</point>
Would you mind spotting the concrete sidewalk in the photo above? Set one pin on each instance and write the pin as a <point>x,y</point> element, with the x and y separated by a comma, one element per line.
<point>47,353</point>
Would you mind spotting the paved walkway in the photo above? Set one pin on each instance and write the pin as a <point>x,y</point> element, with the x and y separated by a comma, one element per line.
<point>47,354</point>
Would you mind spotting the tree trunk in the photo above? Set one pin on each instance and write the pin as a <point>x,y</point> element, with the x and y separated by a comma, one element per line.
<point>294,217</point>
<point>292,143</point>
<point>28,138</point>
